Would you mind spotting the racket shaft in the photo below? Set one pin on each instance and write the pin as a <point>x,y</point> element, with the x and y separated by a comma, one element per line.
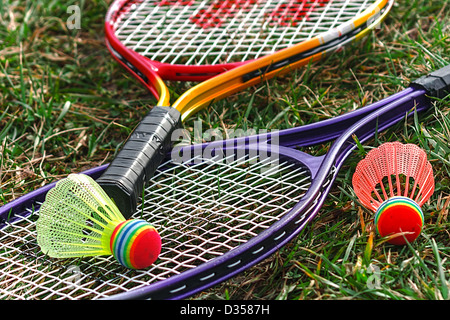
<point>140,156</point>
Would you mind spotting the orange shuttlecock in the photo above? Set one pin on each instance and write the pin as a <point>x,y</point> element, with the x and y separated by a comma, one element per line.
<point>394,181</point>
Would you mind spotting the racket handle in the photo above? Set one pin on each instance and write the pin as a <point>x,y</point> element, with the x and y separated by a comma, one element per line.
<point>137,161</point>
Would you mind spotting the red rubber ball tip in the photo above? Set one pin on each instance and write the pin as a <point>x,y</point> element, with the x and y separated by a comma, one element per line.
<point>400,218</point>
<point>146,249</point>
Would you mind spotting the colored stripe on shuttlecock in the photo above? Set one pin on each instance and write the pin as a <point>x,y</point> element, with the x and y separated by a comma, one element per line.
<point>127,242</point>
<point>395,201</point>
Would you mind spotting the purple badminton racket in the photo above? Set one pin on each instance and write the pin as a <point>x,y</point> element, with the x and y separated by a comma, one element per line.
<point>220,208</point>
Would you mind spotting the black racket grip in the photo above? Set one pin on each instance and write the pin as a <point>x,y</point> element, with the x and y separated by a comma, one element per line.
<point>137,161</point>
<point>437,83</point>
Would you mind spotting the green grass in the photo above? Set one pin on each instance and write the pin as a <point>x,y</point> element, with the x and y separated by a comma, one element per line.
<point>67,106</point>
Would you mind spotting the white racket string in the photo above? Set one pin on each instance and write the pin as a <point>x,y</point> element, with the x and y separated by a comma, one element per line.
<point>179,32</point>
<point>201,210</point>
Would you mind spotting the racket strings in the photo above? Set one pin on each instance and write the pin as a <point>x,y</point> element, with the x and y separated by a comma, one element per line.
<point>202,209</point>
<point>214,32</point>
<point>221,206</point>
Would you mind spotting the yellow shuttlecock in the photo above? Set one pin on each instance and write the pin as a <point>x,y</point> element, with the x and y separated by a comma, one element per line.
<point>78,219</point>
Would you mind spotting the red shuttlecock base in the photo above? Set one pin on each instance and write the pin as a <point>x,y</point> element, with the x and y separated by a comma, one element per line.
<point>400,219</point>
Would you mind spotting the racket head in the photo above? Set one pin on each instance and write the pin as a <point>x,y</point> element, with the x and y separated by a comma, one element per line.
<point>163,39</point>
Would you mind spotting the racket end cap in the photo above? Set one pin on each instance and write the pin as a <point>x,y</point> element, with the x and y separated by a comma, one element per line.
<point>437,83</point>
<point>135,244</point>
<point>400,219</point>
